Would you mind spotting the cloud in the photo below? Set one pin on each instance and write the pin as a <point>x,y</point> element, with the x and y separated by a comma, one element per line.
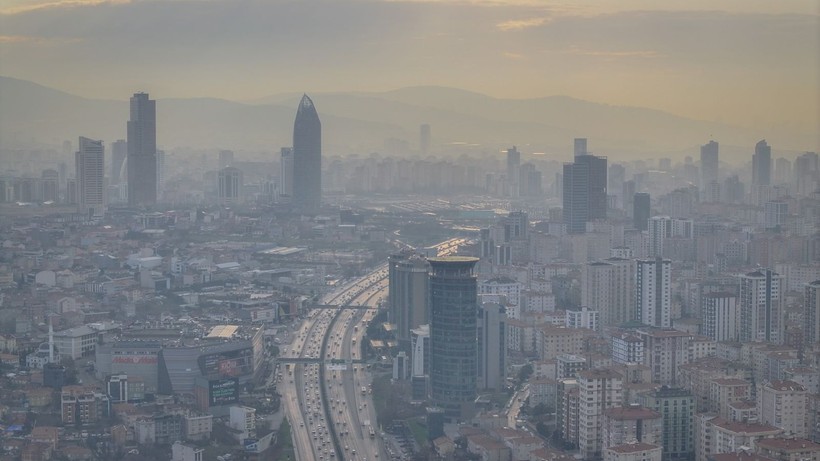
<point>611,55</point>
<point>26,8</point>
<point>33,40</point>
<point>511,55</point>
<point>520,24</point>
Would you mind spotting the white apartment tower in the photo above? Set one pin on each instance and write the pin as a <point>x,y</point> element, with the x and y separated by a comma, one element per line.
<point>720,316</point>
<point>599,390</point>
<point>653,292</point>
<point>761,307</point>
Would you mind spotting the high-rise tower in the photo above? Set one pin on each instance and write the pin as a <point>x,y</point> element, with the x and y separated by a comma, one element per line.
<point>90,164</point>
<point>708,164</point>
<point>584,192</point>
<point>513,171</point>
<point>307,157</point>
<point>453,329</point>
<point>761,306</point>
<point>119,152</point>
<point>653,293</point>
<point>142,151</point>
<point>762,164</point>
<point>408,294</point>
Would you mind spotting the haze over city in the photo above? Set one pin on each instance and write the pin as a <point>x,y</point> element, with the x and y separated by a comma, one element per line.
<point>742,64</point>
<point>409,230</point>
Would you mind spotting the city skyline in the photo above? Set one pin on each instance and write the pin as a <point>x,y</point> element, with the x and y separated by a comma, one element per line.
<point>578,50</point>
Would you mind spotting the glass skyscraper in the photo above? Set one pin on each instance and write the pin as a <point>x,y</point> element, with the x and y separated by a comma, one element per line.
<point>142,151</point>
<point>307,157</point>
<point>453,329</point>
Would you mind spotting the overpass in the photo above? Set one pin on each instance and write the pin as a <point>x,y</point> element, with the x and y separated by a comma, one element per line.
<point>318,360</point>
<point>346,306</point>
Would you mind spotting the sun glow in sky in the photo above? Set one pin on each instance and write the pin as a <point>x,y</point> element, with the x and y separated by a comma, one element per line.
<point>751,63</point>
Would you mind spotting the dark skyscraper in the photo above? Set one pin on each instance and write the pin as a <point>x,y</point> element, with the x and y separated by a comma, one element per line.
<point>453,329</point>
<point>90,167</point>
<point>640,211</point>
<point>762,164</point>
<point>708,164</point>
<point>513,171</point>
<point>584,192</point>
<point>142,151</point>
<point>307,157</point>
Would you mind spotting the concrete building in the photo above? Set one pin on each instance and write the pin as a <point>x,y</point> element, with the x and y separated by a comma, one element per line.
<point>761,306</point>
<point>664,229</point>
<point>90,170</point>
<point>609,287</point>
<point>785,404</point>
<point>633,452</point>
<point>599,390</point>
<point>723,392</point>
<point>243,420</point>
<point>811,312</point>
<point>762,164</point>
<point>76,342</point>
<point>789,449</point>
<point>583,318</point>
<point>720,316</point>
<point>715,435</point>
<point>677,409</point>
<point>627,348</point>
<point>626,424</point>
<point>709,164</point>
<point>183,452</point>
<point>653,292</point>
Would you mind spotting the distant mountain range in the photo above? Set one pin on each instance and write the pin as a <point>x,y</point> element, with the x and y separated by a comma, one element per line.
<point>362,122</point>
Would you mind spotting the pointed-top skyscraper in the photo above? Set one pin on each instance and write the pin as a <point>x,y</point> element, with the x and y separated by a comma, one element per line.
<point>307,157</point>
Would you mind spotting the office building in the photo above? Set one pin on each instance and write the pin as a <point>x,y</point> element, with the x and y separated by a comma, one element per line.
<point>90,165</point>
<point>762,164</point>
<point>653,292</point>
<point>579,147</point>
<point>583,317</point>
<point>307,157</point>
<point>286,171</point>
<point>230,185</point>
<point>761,307</point>
<point>516,226</point>
<point>407,296</point>
<point>513,172</point>
<point>677,409</point>
<point>615,182</point>
<point>183,452</point>
<point>492,346</point>
<point>453,354</point>
<point>641,211</point>
<point>599,390</point>
<point>811,312</point>
<point>609,287</point>
<point>709,164</point>
<point>142,151</point>
<point>584,196</point>
<point>119,154</point>
<point>720,316</point>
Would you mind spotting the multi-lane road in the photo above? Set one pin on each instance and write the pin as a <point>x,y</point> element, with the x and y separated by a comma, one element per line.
<point>329,404</point>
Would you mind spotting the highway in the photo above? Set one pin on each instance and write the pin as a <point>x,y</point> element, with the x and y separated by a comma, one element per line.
<point>330,407</point>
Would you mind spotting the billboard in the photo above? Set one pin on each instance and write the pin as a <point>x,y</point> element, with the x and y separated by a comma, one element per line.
<point>223,391</point>
<point>227,364</point>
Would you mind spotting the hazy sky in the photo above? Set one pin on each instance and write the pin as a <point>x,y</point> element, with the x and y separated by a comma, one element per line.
<point>753,63</point>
